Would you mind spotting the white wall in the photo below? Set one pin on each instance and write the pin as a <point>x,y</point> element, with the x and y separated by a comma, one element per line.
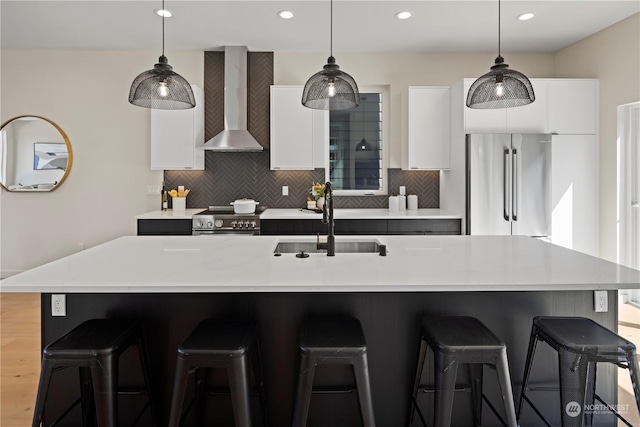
<point>85,93</point>
<point>400,70</point>
<point>613,56</point>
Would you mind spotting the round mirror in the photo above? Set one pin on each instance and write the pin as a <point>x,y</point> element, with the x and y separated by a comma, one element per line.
<point>35,154</point>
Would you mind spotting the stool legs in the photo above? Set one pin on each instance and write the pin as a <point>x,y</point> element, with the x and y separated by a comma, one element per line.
<point>416,384</point>
<point>86,395</point>
<point>533,341</point>
<point>475,377</point>
<point>179,390</point>
<point>502,369</point>
<point>105,383</point>
<point>634,372</point>
<point>43,388</point>
<point>303,394</point>
<point>239,388</point>
<point>361,370</point>
<point>446,370</point>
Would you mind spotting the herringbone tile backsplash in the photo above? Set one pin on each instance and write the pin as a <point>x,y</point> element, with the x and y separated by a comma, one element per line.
<point>229,176</point>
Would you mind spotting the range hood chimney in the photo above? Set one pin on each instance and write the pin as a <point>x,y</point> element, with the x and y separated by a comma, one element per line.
<point>235,136</point>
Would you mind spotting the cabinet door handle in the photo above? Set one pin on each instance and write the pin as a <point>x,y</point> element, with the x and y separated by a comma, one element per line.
<point>514,186</point>
<point>505,186</point>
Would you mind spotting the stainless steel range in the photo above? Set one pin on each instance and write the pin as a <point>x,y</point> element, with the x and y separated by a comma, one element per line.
<point>222,220</point>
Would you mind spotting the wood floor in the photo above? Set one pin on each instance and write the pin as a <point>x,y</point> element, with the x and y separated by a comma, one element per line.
<point>20,357</point>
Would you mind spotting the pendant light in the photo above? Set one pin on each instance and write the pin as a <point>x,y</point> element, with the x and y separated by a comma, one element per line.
<point>501,87</point>
<point>331,89</point>
<point>161,87</point>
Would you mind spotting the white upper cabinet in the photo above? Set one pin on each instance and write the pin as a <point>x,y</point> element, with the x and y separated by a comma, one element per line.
<point>531,118</point>
<point>482,121</point>
<point>176,136</point>
<point>292,130</point>
<point>429,134</point>
<point>573,106</point>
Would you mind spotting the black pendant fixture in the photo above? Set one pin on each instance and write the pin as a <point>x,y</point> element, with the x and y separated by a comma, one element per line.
<point>501,87</point>
<point>331,88</point>
<point>161,87</point>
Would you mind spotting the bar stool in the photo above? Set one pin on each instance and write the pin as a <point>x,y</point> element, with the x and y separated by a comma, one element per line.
<point>227,344</point>
<point>456,340</point>
<point>580,343</point>
<point>332,341</point>
<point>94,347</point>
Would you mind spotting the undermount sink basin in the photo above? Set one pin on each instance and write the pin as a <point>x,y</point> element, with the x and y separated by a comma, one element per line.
<point>363,246</point>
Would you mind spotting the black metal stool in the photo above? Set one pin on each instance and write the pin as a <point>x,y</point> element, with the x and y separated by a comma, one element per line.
<point>580,343</point>
<point>94,347</point>
<point>456,340</point>
<point>332,341</point>
<point>224,344</point>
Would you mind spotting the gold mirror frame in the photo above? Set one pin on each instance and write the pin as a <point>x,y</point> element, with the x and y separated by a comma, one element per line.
<point>69,151</point>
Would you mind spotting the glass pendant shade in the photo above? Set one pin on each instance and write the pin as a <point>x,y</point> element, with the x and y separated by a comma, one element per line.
<point>162,88</point>
<point>500,88</point>
<point>331,89</point>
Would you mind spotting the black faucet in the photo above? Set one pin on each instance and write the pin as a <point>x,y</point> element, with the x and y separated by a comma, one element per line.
<point>327,218</point>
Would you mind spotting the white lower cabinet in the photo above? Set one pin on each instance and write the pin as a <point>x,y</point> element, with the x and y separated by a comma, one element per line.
<point>574,192</point>
<point>429,135</point>
<point>176,137</point>
<point>292,130</point>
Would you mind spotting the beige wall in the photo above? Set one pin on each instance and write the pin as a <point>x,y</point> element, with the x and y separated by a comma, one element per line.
<point>400,70</point>
<point>613,56</point>
<point>85,93</point>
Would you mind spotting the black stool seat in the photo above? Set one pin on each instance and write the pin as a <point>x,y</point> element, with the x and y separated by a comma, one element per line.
<point>227,344</point>
<point>580,343</point>
<point>94,347</point>
<point>332,341</point>
<point>455,340</point>
<point>324,336</point>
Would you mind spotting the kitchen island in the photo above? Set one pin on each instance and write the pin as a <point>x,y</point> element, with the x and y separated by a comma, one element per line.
<point>174,282</point>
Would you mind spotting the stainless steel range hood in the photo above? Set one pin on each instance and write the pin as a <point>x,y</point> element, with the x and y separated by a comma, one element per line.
<point>235,136</point>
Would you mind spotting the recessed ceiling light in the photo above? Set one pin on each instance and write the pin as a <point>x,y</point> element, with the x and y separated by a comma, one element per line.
<point>403,15</point>
<point>285,14</point>
<point>165,13</point>
<point>525,16</point>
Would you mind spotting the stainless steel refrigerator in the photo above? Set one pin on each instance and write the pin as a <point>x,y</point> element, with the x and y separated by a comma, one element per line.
<point>508,184</point>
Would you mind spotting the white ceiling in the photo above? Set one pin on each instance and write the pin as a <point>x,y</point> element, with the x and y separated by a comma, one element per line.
<point>368,26</point>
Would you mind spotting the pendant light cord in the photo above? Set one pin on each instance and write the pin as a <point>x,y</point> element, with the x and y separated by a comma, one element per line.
<point>330,30</point>
<point>499,52</point>
<point>163,27</point>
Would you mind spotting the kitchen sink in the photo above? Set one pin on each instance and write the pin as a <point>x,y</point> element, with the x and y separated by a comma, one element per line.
<point>363,246</point>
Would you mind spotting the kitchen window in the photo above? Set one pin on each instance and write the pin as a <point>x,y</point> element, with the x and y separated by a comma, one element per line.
<point>357,161</point>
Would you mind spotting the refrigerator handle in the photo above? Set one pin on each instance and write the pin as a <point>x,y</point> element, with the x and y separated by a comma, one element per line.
<point>514,186</point>
<point>505,190</point>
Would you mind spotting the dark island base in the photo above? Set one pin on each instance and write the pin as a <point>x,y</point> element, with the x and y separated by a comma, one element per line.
<point>390,322</point>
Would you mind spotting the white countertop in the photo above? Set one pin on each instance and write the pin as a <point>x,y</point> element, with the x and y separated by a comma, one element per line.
<point>170,214</point>
<point>231,263</point>
<point>360,214</point>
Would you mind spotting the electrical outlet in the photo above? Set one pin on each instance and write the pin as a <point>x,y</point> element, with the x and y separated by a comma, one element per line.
<point>285,190</point>
<point>58,305</point>
<point>153,190</point>
<point>600,301</point>
<point>403,190</point>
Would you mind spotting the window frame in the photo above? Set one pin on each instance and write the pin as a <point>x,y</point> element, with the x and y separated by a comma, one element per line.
<point>384,91</point>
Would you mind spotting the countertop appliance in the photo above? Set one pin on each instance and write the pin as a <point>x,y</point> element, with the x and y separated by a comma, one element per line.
<point>508,184</point>
<point>222,220</point>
